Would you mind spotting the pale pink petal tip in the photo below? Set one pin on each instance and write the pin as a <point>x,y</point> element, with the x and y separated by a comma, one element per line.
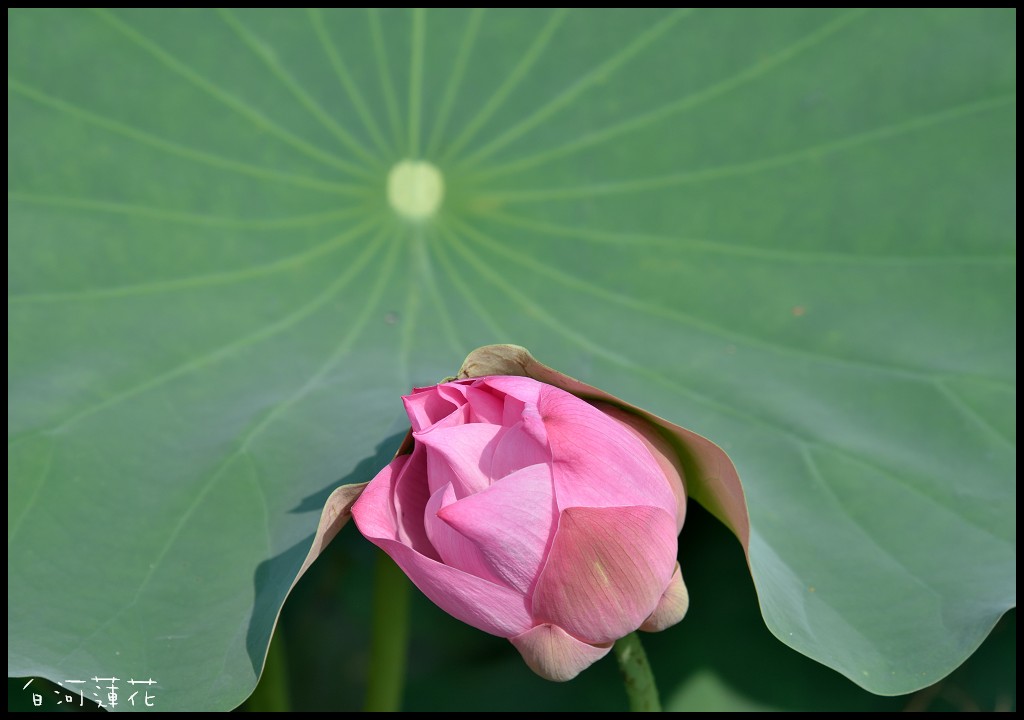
<point>606,571</point>
<point>556,655</point>
<point>674,603</point>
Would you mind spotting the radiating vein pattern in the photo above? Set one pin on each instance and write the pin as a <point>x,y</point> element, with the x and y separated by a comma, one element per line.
<point>384,70</point>
<point>203,280</point>
<point>667,242</point>
<point>187,218</point>
<point>571,93</point>
<point>508,85</point>
<point>573,283</point>
<point>203,361</point>
<point>720,172</point>
<point>260,49</point>
<point>177,66</point>
<point>247,439</point>
<point>419,30</point>
<point>349,85</point>
<point>455,79</point>
<point>758,69</point>
<point>173,148</point>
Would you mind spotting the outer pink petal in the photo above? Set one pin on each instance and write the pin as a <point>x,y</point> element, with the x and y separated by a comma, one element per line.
<point>518,448</point>
<point>425,407</point>
<point>374,512</point>
<point>459,416</point>
<point>460,456</point>
<point>672,607</point>
<point>663,452</point>
<point>556,655</point>
<point>485,406</point>
<point>597,461</point>
<point>520,407</point>
<point>492,608</point>
<point>482,604</point>
<point>512,412</point>
<point>454,549</point>
<point>521,388</point>
<point>409,498</point>
<point>511,523</point>
<point>606,571</point>
<point>455,392</point>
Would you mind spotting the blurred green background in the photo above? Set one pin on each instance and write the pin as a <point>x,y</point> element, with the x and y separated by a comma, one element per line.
<point>720,658</point>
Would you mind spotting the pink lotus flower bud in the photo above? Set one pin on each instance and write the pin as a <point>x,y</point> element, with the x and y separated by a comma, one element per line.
<point>533,514</point>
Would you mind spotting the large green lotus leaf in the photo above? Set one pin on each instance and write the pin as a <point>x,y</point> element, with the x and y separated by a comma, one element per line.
<point>791,231</point>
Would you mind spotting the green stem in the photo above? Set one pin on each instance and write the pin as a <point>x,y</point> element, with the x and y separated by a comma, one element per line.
<point>637,675</point>
<point>271,693</point>
<point>389,632</point>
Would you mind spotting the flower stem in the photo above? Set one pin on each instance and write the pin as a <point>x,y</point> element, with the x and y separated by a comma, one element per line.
<point>389,631</point>
<point>637,675</point>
